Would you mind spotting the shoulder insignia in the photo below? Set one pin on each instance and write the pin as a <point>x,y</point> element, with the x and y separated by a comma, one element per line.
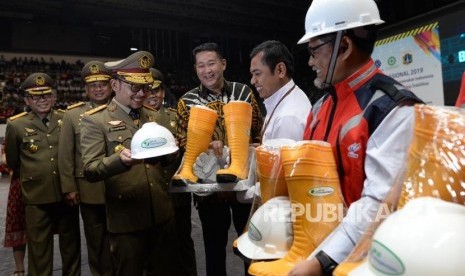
<point>12,118</point>
<point>61,110</point>
<point>95,110</point>
<point>149,107</point>
<point>75,105</point>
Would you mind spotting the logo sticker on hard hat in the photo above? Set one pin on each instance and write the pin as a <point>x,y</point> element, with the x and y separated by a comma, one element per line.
<point>320,191</point>
<point>153,142</point>
<point>384,260</point>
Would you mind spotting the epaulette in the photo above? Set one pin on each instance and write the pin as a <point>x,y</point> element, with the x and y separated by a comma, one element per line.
<point>149,107</point>
<point>95,110</point>
<point>75,105</point>
<point>61,110</point>
<point>12,118</point>
<point>171,109</point>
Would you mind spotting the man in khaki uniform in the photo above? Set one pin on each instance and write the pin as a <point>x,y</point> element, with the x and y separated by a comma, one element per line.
<point>181,201</point>
<point>140,216</point>
<point>75,188</point>
<point>31,151</point>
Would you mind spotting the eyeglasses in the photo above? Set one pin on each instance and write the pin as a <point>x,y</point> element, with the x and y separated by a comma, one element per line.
<point>138,87</point>
<point>311,50</point>
<point>38,97</point>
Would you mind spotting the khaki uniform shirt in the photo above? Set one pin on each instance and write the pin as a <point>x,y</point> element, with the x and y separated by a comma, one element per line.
<point>70,157</point>
<point>136,196</point>
<point>32,149</point>
<point>167,118</point>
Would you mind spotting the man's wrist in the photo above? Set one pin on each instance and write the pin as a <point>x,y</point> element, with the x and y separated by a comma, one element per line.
<point>328,265</point>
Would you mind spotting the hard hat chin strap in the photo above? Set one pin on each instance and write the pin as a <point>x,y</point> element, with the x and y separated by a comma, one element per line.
<point>333,59</point>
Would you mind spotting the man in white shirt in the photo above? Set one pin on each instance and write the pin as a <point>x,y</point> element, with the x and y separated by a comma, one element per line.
<point>287,106</point>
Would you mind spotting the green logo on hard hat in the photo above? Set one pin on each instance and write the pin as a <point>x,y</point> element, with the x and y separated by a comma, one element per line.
<point>253,233</point>
<point>320,191</point>
<point>384,260</point>
<point>151,143</point>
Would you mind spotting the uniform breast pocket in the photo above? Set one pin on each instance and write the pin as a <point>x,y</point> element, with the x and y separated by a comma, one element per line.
<point>32,143</point>
<point>119,140</point>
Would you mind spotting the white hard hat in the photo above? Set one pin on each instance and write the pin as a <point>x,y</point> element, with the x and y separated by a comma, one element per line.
<point>152,140</point>
<point>270,234</point>
<point>425,237</point>
<point>329,16</point>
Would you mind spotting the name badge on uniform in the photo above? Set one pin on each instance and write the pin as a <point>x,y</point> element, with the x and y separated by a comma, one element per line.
<point>117,128</point>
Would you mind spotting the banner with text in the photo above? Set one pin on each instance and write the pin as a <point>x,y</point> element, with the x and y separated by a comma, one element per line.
<point>413,58</point>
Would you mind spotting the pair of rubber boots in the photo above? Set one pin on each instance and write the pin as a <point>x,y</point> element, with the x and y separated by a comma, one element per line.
<point>310,172</point>
<point>200,128</point>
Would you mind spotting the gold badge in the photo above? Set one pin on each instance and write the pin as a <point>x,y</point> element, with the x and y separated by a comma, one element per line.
<point>119,148</point>
<point>33,148</point>
<point>114,123</point>
<point>40,80</point>
<point>94,69</point>
<point>144,62</point>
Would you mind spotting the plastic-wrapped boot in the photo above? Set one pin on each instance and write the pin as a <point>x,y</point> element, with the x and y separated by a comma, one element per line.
<point>312,196</point>
<point>238,121</point>
<point>270,174</point>
<point>202,121</point>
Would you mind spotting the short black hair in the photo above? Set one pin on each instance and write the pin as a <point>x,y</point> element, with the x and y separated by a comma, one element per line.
<point>275,52</point>
<point>208,47</point>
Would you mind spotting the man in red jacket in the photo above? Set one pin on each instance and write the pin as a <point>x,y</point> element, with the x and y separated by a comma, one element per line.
<point>366,116</point>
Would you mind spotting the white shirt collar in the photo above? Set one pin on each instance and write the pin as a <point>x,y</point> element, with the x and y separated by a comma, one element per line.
<point>273,100</point>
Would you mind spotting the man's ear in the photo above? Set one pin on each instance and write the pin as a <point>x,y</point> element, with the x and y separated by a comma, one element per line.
<point>114,84</point>
<point>281,69</point>
<point>346,46</point>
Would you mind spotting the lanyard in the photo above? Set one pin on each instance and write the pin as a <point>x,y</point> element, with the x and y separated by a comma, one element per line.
<point>274,109</point>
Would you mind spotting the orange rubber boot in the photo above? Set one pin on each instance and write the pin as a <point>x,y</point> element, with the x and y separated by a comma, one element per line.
<point>238,120</point>
<point>317,205</point>
<point>270,174</point>
<point>202,121</point>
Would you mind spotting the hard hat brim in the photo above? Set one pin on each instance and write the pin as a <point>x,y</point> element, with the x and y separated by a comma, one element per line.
<point>154,153</point>
<point>254,252</point>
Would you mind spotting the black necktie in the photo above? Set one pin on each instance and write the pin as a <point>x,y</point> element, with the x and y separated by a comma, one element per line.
<point>134,113</point>
<point>45,121</point>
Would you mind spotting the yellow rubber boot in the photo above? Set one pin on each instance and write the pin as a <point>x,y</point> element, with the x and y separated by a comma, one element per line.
<point>202,121</point>
<point>436,156</point>
<point>317,207</point>
<point>270,174</point>
<point>238,120</point>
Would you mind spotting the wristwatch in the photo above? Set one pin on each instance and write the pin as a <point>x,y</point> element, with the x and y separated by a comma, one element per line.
<point>327,264</point>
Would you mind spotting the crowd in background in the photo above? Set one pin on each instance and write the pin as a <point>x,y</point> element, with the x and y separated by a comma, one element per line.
<point>69,86</point>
